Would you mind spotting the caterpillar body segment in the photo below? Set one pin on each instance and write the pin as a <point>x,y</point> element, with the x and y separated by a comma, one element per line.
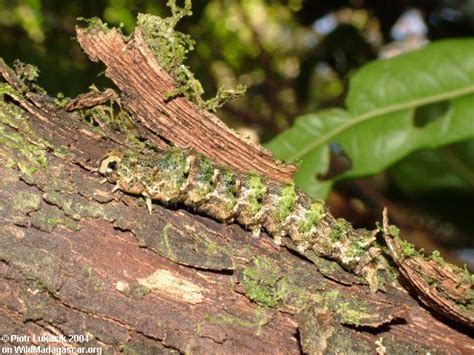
<point>189,178</point>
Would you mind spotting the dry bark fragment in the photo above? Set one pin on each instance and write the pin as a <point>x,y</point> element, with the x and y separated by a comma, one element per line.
<point>144,84</point>
<point>91,99</point>
<point>444,288</point>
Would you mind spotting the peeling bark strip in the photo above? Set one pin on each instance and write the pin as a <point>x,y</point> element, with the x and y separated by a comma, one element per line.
<point>144,84</point>
<point>439,285</point>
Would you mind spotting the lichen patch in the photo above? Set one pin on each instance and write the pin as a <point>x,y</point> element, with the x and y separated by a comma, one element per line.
<point>166,282</point>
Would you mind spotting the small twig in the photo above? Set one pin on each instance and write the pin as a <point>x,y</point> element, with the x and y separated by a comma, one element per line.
<point>91,99</point>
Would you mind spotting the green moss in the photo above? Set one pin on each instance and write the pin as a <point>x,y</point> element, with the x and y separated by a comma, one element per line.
<point>312,218</point>
<point>223,96</point>
<point>467,277</point>
<point>206,168</point>
<point>394,230</point>
<point>61,100</point>
<point>27,201</point>
<point>34,155</point>
<point>27,75</point>
<point>53,222</point>
<point>94,23</point>
<point>173,166</point>
<point>260,282</point>
<point>10,163</point>
<point>14,128</point>
<point>78,207</point>
<point>170,48</point>
<point>229,319</point>
<point>176,158</point>
<point>263,295</point>
<point>349,310</point>
<point>436,256</point>
<point>36,284</point>
<point>408,249</point>
<point>265,284</point>
<point>358,246</point>
<point>350,315</point>
<point>211,246</point>
<point>26,168</point>
<point>331,295</point>
<point>105,118</point>
<point>204,175</point>
<point>256,190</point>
<point>50,217</point>
<point>198,329</point>
<point>261,318</point>
<point>6,89</point>
<point>93,278</point>
<point>25,72</point>
<point>287,202</point>
<point>228,182</point>
<point>432,282</point>
<point>14,117</point>
<point>339,230</point>
<point>61,152</point>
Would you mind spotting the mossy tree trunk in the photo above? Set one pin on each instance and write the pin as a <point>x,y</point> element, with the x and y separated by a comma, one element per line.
<point>76,258</point>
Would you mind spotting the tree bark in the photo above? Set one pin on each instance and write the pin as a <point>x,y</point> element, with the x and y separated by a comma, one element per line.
<point>76,258</point>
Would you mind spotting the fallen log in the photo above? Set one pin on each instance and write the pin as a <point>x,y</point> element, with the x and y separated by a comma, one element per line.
<point>79,260</point>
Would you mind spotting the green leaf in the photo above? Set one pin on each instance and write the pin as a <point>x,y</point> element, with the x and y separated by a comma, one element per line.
<point>382,123</point>
<point>444,168</point>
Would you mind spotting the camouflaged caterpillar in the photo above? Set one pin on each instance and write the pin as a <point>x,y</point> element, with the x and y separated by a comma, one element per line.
<point>193,180</point>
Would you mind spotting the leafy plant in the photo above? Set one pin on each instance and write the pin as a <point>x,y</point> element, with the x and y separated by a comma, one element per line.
<point>423,99</point>
<point>443,168</point>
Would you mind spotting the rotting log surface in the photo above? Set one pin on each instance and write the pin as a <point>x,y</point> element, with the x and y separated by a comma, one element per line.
<point>77,259</point>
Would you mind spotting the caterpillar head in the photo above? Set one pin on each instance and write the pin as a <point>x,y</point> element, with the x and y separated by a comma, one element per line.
<point>123,170</point>
<point>110,165</point>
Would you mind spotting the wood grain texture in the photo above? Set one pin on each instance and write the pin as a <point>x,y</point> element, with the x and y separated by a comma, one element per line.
<point>143,84</point>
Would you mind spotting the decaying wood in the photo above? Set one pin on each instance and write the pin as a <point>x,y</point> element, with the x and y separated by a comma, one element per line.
<point>437,284</point>
<point>78,259</point>
<point>143,84</point>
